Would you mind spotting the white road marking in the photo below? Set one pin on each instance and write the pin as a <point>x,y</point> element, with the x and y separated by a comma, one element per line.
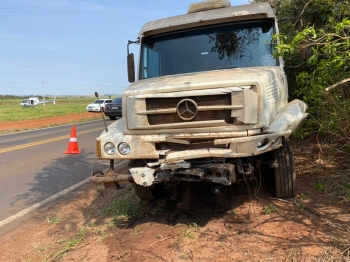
<point>47,200</point>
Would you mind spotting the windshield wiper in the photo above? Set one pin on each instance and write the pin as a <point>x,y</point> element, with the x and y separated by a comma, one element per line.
<point>227,67</point>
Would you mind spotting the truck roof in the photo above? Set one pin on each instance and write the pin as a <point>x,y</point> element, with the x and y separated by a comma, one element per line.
<point>208,17</point>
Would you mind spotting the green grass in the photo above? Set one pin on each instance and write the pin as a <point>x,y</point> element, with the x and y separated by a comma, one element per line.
<point>321,187</point>
<point>269,209</point>
<point>71,243</point>
<point>59,100</point>
<point>11,111</point>
<point>51,219</point>
<point>190,230</point>
<point>123,208</point>
<point>17,113</point>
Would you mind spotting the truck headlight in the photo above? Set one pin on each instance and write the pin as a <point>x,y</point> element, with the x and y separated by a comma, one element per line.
<point>263,144</point>
<point>124,148</point>
<point>109,148</point>
<point>275,141</point>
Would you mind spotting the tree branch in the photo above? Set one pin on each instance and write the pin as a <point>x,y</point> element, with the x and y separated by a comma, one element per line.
<point>302,12</point>
<point>337,84</point>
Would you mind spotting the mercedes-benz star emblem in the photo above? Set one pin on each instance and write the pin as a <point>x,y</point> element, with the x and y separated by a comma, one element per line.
<point>187,109</point>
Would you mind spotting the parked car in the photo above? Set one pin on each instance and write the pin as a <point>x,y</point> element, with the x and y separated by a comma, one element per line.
<point>114,109</point>
<point>97,105</point>
<point>24,102</point>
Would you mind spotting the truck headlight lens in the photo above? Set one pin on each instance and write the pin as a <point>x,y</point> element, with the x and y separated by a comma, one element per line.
<point>109,148</point>
<point>275,141</point>
<point>263,144</point>
<point>124,148</point>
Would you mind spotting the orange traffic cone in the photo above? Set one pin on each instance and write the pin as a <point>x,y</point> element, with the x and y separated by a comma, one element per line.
<point>73,143</point>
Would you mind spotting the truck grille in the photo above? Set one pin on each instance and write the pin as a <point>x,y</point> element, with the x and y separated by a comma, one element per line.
<point>211,100</point>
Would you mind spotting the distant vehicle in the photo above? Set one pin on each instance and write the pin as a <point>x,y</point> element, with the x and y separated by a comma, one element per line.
<point>114,109</point>
<point>97,105</point>
<point>34,101</point>
<point>24,102</point>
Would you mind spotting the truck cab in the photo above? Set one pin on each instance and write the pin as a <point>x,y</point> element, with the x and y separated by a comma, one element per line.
<point>209,103</point>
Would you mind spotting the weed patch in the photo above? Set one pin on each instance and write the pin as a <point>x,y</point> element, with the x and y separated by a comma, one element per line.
<point>190,230</point>
<point>71,243</point>
<point>321,187</point>
<point>51,219</point>
<point>339,186</point>
<point>269,209</point>
<point>123,208</point>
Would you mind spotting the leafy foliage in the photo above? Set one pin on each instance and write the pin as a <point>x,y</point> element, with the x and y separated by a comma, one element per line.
<point>318,31</point>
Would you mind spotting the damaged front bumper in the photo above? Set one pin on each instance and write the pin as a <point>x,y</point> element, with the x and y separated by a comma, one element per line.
<point>176,162</point>
<point>222,173</point>
<point>187,166</point>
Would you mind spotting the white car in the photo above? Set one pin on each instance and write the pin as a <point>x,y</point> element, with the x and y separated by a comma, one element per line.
<point>97,105</point>
<point>24,102</point>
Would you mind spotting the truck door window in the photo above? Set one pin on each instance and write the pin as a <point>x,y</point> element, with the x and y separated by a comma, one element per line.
<point>151,63</point>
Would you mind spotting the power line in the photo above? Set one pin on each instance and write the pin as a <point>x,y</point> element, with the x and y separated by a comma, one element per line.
<point>56,72</point>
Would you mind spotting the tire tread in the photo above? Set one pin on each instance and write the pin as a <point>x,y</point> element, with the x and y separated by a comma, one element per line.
<point>144,193</point>
<point>285,177</point>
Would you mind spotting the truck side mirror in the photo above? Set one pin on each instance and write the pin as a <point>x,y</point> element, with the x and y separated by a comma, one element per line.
<point>131,68</point>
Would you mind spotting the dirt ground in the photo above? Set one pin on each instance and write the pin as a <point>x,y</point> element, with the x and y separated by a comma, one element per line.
<point>199,222</point>
<point>47,122</point>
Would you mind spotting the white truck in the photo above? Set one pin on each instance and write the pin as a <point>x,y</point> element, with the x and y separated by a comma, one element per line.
<point>210,103</point>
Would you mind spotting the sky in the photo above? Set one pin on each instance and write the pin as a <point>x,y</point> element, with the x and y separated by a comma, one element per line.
<point>64,47</point>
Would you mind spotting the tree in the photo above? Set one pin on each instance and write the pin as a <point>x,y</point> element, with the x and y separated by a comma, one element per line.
<point>319,32</point>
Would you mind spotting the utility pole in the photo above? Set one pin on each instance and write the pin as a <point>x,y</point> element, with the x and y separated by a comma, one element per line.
<point>43,91</point>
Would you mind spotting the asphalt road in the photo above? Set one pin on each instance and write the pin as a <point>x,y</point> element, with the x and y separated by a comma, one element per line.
<point>34,166</point>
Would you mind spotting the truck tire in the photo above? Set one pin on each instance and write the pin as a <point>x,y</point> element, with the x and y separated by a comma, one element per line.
<point>285,177</point>
<point>148,192</point>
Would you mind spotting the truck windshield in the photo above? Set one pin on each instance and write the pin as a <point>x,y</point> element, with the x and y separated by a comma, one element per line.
<point>246,44</point>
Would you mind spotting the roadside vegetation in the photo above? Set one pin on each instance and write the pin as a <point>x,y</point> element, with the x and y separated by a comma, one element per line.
<point>7,100</point>
<point>315,44</point>
<point>11,111</point>
<point>17,113</point>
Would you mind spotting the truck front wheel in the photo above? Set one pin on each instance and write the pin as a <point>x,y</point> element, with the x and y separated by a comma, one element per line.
<point>285,177</point>
<point>148,192</point>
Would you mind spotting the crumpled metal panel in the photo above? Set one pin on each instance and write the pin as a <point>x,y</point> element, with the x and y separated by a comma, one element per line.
<point>290,117</point>
<point>175,165</point>
<point>180,171</point>
<point>143,176</point>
